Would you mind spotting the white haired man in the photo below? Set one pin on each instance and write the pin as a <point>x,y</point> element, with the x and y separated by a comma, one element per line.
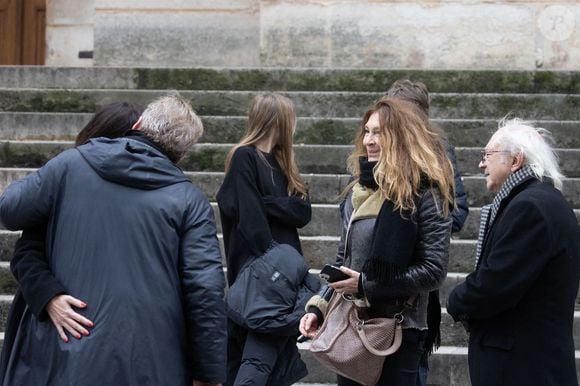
<point>518,304</point>
<point>133,238</point>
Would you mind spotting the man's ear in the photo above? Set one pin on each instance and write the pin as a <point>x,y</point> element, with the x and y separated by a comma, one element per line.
<point>517,162</point>
<point>137,125</point>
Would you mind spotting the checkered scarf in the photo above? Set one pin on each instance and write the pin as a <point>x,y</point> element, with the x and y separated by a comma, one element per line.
<point>488,212</point>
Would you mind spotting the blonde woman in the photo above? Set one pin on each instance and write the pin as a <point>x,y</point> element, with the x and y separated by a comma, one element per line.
<point>262,200</point>
<point>396,216</point>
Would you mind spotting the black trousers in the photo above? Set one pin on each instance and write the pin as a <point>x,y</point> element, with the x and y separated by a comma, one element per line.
<point>401,368</point>
<point>251,356</point>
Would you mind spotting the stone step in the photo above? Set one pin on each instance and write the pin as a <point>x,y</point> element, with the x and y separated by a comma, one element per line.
<point>309,130</point>
<point>452,334</point>
<point>324,188</point>
<point>308,104</point>
<point>211,157</point>
<point>318,250</point>
<point>447,367</point>
<point>290,79</point>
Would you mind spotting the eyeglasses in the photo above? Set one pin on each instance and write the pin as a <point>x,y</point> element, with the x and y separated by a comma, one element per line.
<point>486,153</point>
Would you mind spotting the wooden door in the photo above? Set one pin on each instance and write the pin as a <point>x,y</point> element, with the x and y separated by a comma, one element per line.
<point>22,31</point>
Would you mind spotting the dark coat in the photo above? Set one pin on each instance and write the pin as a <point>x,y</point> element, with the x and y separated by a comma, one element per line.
<point>129,235</point>
<point>519,303</point>
<point>279,285</point>
<point>37,285</point>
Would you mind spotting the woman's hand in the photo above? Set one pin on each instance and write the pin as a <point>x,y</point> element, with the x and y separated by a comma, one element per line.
<point>348,286</point>
<point>309,325</point>
<point>65,318</point>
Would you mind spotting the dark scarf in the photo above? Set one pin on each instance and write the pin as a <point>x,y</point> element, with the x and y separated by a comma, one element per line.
<point>367,178</point>
<point>433,339</point>
<point>394,236</point>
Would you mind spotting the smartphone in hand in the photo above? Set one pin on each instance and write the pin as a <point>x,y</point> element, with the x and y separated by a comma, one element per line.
<point>331,273</point>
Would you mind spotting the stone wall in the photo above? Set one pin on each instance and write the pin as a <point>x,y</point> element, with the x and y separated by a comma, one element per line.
<point>69,30</point>
<point>426,34</point>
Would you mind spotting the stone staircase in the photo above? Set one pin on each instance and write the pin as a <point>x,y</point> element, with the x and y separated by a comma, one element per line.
<point>42,109</point>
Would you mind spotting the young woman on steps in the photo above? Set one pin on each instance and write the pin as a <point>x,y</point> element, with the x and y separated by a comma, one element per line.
<point>262,200</point>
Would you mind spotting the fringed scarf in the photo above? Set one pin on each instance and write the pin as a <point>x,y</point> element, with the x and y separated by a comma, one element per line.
<point>394,235</point>
<point>433,339</point>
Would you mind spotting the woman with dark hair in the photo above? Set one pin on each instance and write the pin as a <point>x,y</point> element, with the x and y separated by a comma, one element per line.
<point>112,121</point>
<point>262,200</point>
<point>396,226</point>
<point>39,289</point>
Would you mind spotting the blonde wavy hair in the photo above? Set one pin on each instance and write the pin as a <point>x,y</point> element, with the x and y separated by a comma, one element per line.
<point>412,155</point>
<point>274,112</point>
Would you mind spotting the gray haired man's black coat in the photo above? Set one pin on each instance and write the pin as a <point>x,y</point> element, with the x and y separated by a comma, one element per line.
<point>132,237</point>
<point>519,303</point>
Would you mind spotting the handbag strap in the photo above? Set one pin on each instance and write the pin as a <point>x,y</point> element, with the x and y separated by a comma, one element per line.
<point>394,347</point>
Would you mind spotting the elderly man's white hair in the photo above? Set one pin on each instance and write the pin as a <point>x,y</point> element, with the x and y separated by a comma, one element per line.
<point>534,143</point>
<point>171,123</point>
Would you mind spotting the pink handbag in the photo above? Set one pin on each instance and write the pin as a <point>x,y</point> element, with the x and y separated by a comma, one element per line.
<point>353,345</point>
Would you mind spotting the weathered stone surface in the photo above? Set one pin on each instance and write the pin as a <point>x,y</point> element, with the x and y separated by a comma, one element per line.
<point>66,41</point>
<point>66,78</point>
<point>69,29</point>
<point>177,37</point>
<point>309,130</point>
<point>289,79</point>
<point>325,188</point>
<point>317,159</point>
<point>341,34</point>
<point>308,104</point>
<point>368,34</point>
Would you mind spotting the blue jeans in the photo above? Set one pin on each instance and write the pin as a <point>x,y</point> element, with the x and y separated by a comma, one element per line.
<point>401,368</point>
<point>423,372</point>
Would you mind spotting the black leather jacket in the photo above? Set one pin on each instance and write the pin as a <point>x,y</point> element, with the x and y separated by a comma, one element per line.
<point>426,272</point>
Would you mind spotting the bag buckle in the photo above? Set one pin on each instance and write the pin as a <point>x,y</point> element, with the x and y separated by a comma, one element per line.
<point>399,318</point>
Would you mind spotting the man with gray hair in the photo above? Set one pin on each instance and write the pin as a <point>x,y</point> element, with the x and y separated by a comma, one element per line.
<point>518,304</point>
<point>131,236</point>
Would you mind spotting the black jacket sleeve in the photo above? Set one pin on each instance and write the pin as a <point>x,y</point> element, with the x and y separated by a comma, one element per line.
<point>346,210</point>
<point>461,210</point>
<point>429,266</point>
<point>292,210</point>
<point>30,268</point>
